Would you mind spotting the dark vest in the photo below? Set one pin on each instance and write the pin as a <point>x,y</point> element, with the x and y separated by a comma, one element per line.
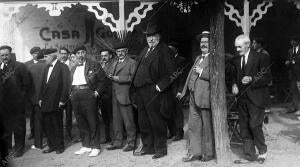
<point>142,77</point>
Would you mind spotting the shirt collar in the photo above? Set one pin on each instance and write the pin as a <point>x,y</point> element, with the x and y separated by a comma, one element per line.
<point>35,61</point>
<point>204,55</point>
<point>247,54</point>
<point>54,62</point>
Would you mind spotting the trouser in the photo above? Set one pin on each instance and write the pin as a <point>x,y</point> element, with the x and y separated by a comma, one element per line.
<point>105,105</point>
<point>295,94</point>
<point>68,120</point>
<point>153,125</point>
<point>53,123</point>
<point>38,127</point>
<point>201,138</point>
<point>123,115</point>
<point>84,104</point>
<point>15,124</point>
<point>251,121</point>
<point>175,124</point>
<point>3,145</point>
<point>32,121</point>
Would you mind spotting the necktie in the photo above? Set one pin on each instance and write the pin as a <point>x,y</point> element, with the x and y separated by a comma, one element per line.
<point>148,52</point>
<point>243,65</point>
<point>5,68</point>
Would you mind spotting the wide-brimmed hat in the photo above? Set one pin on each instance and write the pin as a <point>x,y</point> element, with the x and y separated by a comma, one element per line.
<point>120,45</point>
<point>152,29</point>
<point>203,34</point>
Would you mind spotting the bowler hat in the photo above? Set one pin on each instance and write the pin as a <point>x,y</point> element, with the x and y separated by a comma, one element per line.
<point>79,48</point>
<point>120,45</point>
<point>35,50</point>
<point>203,34</point>
<point>151,29</point>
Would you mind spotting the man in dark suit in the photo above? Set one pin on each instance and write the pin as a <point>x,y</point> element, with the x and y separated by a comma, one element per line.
<point>36,67</point>
<point>176,121</point>
<point>121,75</point>
<point>34,53</point>
<point>251,85</point>
<point>54,95</point>
<point>88,82</point>
<point>200,130</point>
<point>16,84</point>
<point>293,64</point>
<point>152,85</point>
<point>105,102</point>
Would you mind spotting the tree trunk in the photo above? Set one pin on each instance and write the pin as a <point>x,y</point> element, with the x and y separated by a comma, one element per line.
<point>217,85</point>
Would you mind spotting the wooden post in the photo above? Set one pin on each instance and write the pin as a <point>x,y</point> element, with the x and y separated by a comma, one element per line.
<point>217,85</point>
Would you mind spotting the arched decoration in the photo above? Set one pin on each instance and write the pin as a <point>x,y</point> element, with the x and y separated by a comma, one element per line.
<point>121,26</point>
<point>246,21</point>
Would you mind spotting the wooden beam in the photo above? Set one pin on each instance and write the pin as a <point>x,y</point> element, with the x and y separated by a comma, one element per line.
<point>217,84</point>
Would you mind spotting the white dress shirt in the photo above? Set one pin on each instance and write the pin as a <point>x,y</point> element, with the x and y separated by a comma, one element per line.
<point>78,77</point>
<point>246,58</point>
<point>51,69</point>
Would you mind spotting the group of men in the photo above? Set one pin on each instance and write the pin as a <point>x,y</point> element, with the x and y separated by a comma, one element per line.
<point>152,83</point>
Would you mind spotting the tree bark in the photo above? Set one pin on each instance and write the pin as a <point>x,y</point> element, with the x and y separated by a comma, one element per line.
<point>217,85</point>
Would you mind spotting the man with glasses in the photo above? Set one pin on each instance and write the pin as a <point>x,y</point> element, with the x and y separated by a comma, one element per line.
<point>121,75</point>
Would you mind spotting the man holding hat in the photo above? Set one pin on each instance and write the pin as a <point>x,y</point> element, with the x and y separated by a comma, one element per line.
<point>53,96</point>
<point>89,82</point>
<point>34,53</point>
<point>200,130</point>
<point>16,86</point>
<point>152,85</point>
<point>121,75</point>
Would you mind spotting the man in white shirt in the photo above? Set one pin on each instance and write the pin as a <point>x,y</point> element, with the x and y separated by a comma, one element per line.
<point>89,82</point>
<point>53,96</point>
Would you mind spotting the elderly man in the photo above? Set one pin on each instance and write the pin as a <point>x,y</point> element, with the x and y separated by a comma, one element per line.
<point>34,53</point>
<point>201,139</point>
<point>152,85</point>
<point>16,84</point>
<point>88,82</point>
<point>53,96</point>
<point>251,85</point>
<point>121,75</point>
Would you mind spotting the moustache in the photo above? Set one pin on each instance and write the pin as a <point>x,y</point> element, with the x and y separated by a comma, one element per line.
<point>203,46</point>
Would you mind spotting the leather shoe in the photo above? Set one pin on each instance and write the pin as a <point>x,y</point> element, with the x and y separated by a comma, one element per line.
<point>59,151</point>
<point>142,152</point>
<point>113,147</point>
<point>206,158</point>
<point>261,160</point>
<point>190,158</point>
<point>128,148</point>
<point>177,138</point>
<point>159,155</point>
<point>49,150</point>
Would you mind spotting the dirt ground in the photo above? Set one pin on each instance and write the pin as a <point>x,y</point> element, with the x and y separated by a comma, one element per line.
<point>282,137</point>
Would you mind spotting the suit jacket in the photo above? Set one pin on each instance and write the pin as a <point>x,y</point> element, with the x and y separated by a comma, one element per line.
<point>258,67</point>
<point>202,84</point>
<point>124,71</point>
<point>56,89</point>
<point>36,75</point>
<point>16,86</point>
<point>180,80</point>
<point>94,75</point>
<point>294,68</point>
<point>161,69</point>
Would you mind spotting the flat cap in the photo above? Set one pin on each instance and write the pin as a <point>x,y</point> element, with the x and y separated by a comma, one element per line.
<point>5,47</point>
<point>35,50</point>
<point>48,51</point>
<point>79,48</point>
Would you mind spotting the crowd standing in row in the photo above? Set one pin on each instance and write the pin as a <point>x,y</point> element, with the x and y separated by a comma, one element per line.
<point>55,82</point>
